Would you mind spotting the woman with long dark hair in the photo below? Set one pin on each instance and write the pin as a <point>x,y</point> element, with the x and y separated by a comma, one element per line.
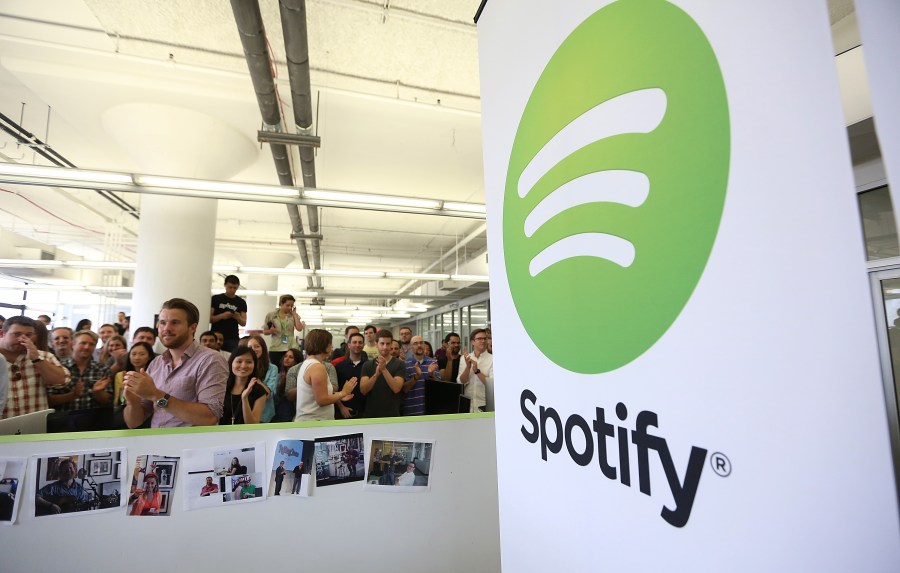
<point>245,395</point>
<point>285,409</point>
<point>140,356</point>
<point>83,324</point>
<point>265,371</point>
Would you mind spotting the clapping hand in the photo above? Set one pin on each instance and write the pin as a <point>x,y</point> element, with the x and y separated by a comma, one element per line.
<point>101,384</point>
<point>349,385</point>
<point>246,392</point>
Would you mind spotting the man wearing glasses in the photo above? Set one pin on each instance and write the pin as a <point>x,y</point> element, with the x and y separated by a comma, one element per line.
<point>31,371</point>
<point>478,375</point>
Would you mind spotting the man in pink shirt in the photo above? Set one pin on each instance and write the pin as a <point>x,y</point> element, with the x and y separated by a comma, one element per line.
<point>183,386</point>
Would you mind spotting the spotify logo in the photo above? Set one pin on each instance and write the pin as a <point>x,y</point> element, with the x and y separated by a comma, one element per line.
<point>616,185</point>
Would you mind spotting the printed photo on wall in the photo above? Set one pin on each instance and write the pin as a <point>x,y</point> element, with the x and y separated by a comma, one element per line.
<point>215,476</point>
<point>12,472</point>
<point>399,466</point>
<point>291,468</point>
<point>339,459</point>
<point>244,487</point>
<point>74,482</point>
<point>152,482</point>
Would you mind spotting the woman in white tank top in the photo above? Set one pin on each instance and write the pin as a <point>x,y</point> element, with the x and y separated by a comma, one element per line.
<point>315,395</point>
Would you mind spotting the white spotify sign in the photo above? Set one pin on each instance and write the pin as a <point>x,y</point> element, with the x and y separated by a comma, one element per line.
<point>686,358</point>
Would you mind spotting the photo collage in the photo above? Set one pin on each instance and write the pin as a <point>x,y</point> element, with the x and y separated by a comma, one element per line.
<point>91,481</point>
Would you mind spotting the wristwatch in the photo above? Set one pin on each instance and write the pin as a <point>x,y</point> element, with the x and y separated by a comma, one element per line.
<point>477,371</point>
<point>163,402</point>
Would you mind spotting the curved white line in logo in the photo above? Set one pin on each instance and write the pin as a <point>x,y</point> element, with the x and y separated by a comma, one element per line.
<point>614,186</point>
<point>597,245</point>
<point>640,111</point>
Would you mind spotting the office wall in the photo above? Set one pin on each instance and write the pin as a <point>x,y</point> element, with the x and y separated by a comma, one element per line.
<point>454,527</point>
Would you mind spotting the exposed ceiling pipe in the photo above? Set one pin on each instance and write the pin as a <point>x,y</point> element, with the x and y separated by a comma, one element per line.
<point>296,45</point>
<point>253,40</point>
<point>410,285</point>
<point>24,137</point>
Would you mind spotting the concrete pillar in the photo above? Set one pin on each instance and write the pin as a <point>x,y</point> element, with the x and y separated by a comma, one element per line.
<point>175,256</point>
<point>176,242</point>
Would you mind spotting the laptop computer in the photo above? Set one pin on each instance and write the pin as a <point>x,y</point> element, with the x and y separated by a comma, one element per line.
<point>33,423</point>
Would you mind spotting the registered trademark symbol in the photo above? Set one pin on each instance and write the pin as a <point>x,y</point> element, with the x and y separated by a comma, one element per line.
<point>720,464</point>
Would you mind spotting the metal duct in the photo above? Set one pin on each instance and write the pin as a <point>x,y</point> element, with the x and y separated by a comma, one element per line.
<point>296,44</point>
<point>253,40</point>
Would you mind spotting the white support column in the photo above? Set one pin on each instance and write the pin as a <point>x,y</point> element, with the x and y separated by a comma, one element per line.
<point>176,242</point>
<point>175,256</point>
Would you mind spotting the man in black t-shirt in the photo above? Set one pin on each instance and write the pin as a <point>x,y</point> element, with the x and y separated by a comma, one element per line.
<point>351,367</point>
<point>449,364</point>
<point>227,312</point>
<point>382,380</point>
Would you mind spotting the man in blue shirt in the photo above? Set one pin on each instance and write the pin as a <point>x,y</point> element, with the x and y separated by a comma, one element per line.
<point>418,369</point>
<point>63,495</point>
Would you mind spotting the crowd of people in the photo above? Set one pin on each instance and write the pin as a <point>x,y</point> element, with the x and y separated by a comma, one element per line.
<point>166,378</point>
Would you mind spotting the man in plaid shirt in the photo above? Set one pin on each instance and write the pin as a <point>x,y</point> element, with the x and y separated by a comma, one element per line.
<point>31,371</point>
<point>90,383</point>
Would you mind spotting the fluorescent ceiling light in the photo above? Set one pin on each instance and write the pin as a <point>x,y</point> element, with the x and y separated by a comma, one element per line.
<point>34,263</point>
<point>470,278</point>
<point>67,288</point>
<point>349,273</point>
<point>465,207</point>
<point>275,270</point>
<point>388,200</point>
<point>411,308</point>
<point>114,265</point>
<point>214,186</point>
<point>419,276</point>
<point>98,288</point>
<point>304,294</point>
<point>64,173</point>
<point>211,189</point>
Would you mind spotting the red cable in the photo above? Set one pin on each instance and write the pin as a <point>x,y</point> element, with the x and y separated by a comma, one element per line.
<point>50,213</point>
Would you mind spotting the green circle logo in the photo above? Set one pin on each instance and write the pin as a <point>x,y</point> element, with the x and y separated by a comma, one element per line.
<point>616,185</point>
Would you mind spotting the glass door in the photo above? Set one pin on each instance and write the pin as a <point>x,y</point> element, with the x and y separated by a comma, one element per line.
<point>885,282</point>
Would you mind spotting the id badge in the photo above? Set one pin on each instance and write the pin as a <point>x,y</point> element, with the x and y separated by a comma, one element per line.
<point>284,339</point>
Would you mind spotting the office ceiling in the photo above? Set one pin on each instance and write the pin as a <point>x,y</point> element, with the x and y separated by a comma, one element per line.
<point>163,88</point>
<point>136,86</point>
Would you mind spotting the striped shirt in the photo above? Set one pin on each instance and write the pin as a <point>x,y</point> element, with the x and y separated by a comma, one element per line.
<point>414,403</point>
<point>26,388</point>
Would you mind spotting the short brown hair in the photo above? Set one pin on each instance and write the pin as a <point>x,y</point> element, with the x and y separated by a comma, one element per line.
<point>189,308</point>
<point>384,333</point>
<point>317,341</point>
<point>90,333</point>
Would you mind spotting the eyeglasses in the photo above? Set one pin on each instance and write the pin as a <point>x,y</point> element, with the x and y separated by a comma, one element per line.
<point>480,338</point>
